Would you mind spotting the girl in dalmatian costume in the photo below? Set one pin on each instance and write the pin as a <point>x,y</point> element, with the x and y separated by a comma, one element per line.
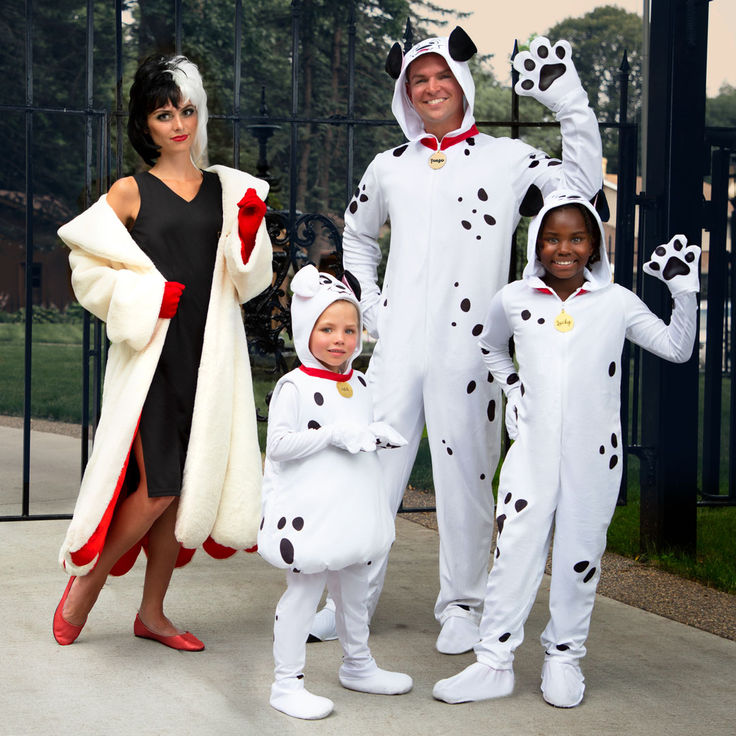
<point>569,323</point>
<point>325,514</point>
<point>453,203</point>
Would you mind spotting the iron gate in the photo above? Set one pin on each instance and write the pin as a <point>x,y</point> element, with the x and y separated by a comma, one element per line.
<point>294,233</point>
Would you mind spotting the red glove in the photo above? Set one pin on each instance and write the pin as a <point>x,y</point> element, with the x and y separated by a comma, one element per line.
<point>170,302</point>
<point>250,216</point>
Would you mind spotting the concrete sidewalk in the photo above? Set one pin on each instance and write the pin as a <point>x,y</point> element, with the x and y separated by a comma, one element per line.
<point>645,674</point>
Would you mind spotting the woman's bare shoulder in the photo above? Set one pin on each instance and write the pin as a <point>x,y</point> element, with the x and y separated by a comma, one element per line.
<point>125,199</point>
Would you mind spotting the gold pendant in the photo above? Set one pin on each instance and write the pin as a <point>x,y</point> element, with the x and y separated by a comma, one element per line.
<point>564,322</point>
<point>344,389</point>
<point>437,160</point>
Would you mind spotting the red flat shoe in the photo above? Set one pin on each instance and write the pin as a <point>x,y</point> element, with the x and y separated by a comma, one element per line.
<point>185,642</point>
<point>64,632</point>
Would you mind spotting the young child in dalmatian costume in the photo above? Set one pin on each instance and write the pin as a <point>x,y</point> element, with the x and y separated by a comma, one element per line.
<point>569,323</point>
<point>451,230</point>
<point>325,514</point>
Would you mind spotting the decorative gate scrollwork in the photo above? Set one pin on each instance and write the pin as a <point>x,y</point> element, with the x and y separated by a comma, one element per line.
<point>312,238</point>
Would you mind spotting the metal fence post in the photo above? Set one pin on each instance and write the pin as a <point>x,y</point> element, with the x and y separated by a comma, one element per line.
<point>674,184</point>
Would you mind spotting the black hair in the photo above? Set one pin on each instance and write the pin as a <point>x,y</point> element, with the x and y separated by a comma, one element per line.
<point>153,87</point>
<point>161,79</point>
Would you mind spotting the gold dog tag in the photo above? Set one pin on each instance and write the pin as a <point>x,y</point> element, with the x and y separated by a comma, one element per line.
<point>344,389</point>
<point>437,160</point>
<point>564,322</point>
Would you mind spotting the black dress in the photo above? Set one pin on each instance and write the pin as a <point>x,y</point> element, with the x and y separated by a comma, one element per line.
<point>180,238</point>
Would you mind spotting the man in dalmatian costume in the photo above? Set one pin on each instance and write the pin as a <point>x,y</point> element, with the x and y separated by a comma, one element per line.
<point>452,196</point>
<point>325,512</point>
<point>563,471</point>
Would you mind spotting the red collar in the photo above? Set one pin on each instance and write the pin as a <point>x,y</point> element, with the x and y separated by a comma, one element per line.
<point>547,290</point>
<point>329,375</point>
<point>449,140</point>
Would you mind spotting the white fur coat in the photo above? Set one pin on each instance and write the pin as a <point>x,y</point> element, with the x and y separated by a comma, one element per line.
<point>116,281</point>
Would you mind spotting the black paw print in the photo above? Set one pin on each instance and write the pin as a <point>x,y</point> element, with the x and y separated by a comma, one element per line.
<point>672,259</point>
<point>543,64</point>
<point>286,547</point>
<point>478,219</point>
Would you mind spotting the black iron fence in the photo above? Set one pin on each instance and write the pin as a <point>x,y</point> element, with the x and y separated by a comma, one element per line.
<point>296,234</point>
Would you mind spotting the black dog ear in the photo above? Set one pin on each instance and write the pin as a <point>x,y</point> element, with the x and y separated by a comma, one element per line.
<point>533,202</point>
<point>394,60</point>
<point>601,205</point>
<point>460,45</point>
<point>352,283</point>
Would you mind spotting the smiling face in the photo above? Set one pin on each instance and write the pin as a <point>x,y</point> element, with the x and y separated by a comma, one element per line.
<point>335,336</point>
<point>173,127</point>
<point>564,246</point>
<point>436,94</point>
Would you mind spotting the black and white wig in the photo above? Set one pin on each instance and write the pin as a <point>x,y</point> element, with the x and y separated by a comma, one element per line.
<point>161,79</point>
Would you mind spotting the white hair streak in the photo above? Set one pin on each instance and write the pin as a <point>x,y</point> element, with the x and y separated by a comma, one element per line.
<point>187,78</point>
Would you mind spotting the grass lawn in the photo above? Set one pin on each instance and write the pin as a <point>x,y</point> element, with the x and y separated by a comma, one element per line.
<point>56,371</point>
<point>56,395</point>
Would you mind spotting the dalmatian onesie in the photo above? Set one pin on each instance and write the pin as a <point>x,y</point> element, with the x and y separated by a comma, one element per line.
<point>325,514</point>
<point>564,469</point>
<point>451,230</point>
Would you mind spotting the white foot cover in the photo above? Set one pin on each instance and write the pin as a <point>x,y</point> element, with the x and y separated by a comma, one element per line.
<point>476,682</point>
<point>563,683</point>
<point>375,680</point>
<point>459,635</point>
<point>323,626</point>
<point>295,700</point>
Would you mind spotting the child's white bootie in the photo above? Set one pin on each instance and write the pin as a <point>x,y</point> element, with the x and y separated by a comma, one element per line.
<point>291,697</point>
<point>459,634</point>
<point>373,679</point>
<point>563,683</point>
<point>476,682</point>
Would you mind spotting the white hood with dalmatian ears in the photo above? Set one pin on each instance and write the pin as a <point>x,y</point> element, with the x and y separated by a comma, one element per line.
<point>600,273</point>
<point>314,291</point>
<point>407,117</point>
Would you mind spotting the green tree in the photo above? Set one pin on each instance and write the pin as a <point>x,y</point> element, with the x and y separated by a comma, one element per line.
<point>57,140</point>
<point>721,109</point>
<point>599,39</point>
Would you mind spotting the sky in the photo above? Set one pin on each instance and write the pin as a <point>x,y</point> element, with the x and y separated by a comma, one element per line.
<point>493,30</point>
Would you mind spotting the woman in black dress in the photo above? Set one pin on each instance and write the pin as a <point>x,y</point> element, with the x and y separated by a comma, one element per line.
<point>174,214</point>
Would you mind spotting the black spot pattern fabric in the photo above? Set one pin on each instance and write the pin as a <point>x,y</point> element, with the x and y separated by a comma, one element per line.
<point>314,498</point>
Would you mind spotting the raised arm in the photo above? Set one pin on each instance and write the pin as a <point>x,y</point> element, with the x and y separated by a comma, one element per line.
<point>676,264</point>
<point>547,74</point>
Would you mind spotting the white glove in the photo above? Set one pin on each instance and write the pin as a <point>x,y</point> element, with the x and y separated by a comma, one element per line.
<point>386,436</point>
<point>676,263</point>
<point>352,437</point>
<point>513,399</point>
<point>370,319</point>
<point>546,72</point>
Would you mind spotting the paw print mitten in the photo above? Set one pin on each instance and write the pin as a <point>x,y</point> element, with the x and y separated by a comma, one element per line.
<point>676,263</point>
<point>547,73</point>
